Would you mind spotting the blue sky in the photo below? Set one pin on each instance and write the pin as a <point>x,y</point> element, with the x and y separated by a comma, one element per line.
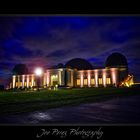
<point>48,40</point>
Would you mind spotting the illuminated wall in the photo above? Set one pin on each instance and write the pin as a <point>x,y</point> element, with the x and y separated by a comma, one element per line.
<point>96,77</point>
<point>23,81</point>
<point>87,78</point>
<point>81,79</point>
<point>48,78</point>
<point>104,77</point>
<point>78,82</point>
<point>85,82</point>
<point>44,79</point>
<point>72,73</point>
<point>59,76</point>
<point>92,82</point>
<point>100,81</point>
<point>114,76</point>
<point>108,81</point>
<point>32,81</point>
<point>27,81</point>
<point>14,81</point>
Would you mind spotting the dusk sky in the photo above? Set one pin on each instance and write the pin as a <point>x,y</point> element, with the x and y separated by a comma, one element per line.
<point>48,40</point>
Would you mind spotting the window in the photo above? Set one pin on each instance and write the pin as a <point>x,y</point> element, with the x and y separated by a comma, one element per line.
<point>16,84</point>
<point>108,80</point>
<point>30,84</point>
<point>25,84</point>
<point>54,77</point>
<point>85,81</point>
<point>92,82</point>
<point>100,81</point>
<point>78,82</point>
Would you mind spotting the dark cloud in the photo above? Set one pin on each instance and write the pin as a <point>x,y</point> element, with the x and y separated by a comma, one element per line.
<point>59,53</point>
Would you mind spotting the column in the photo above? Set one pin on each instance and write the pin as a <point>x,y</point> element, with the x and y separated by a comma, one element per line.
<point>104,77</point>
<point>72,78</point>
<point>81,79</point>
<point>27,81</point>
<point>23,80</point>
<point>114,76</point>
<point>89,79</point>
<point>14,81</point>
<point>96,77</point>
<point>59,76</point>
<point>48,78</point>
<point>32,81</point>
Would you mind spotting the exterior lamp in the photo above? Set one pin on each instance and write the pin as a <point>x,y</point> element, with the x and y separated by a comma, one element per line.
<point>38,73</point>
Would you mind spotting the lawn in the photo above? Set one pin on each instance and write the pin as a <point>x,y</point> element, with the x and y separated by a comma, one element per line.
<point>20,102</point>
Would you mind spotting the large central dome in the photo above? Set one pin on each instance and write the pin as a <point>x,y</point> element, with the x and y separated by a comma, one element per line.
<point>79,64</point>
<point>116,59</point>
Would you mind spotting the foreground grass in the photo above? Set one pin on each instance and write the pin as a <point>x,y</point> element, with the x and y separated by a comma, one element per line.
<point>14,103</point>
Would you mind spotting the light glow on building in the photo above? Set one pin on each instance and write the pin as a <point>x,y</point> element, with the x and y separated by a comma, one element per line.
<point>81,78</point>
<point>114,76</point>
<point>48,78</point>
<point>23,80</point>
<point>101,77</point>
<point>129,81</point>
<point>38,71</point>
<point>96,78</point>
<point>104,78</point>
<point>32,83</point>
<point>27,81</point>
<point>14,81</point>
<point>79,73</point>
<point>89,79</point>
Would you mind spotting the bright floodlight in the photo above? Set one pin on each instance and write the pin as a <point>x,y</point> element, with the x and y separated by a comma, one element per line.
<point>38,71</point>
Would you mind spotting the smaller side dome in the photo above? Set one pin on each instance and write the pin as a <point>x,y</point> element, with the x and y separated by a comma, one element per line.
<point>20,69</point>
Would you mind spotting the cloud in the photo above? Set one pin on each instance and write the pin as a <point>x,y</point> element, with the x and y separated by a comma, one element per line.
<point>46,41</point>
<point>59,53</point>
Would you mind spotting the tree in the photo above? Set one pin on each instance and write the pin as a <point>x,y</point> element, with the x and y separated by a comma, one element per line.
<point>60,65</point>
<point>1,87</point>
<point>20,69</point>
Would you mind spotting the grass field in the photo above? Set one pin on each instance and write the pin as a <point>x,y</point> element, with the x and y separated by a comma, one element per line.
<point>13,102</point>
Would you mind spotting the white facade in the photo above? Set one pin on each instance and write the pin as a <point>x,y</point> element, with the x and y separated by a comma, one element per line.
<point>69,77</point>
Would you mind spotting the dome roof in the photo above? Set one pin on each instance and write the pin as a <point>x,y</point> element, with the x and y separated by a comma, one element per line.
<point>116,59</point>
<point>79,64</point>
<point>20,69</point>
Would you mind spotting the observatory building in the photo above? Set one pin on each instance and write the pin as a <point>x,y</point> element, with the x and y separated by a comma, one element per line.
<point>78,73</point>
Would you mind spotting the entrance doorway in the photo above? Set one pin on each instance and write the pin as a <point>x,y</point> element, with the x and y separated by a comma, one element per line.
<point>54,80</point>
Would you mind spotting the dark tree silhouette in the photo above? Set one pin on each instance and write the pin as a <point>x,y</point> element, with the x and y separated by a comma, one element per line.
<point>60,65</point>
<point>1,87</point>
<point>20,69</point>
